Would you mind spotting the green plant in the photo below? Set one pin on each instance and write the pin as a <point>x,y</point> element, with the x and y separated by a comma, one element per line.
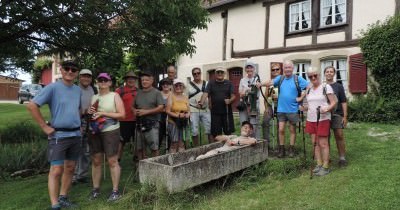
<point>21,132</point>
<point>381,49</point>
<point>371,108</point>
<point>39,65</point>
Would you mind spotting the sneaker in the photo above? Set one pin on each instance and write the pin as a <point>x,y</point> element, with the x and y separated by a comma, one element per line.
<point>342,163</point>
<point>65,202</point>
<point>114,196</point>
<point>323,171</point>
<point>94,194</point>
<point>317,169</point>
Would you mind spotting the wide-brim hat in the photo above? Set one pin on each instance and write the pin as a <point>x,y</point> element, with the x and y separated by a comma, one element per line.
<point>130,74</point>
<point>251,64</point>
<point>146,73</point>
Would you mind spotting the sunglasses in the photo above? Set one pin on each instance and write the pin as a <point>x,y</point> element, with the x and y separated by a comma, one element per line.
<point>178,85</point>
<point>220,72</point>
<point>313,76</point>
<point>101,80</point>
<point>196,73</point>
<point>71,69</point>
<point>275,69</point>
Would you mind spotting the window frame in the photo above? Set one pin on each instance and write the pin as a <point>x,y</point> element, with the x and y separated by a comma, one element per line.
<point>300,13</point>
<point>344,15</point>
<point>335,62</point>
<point>303,69</point>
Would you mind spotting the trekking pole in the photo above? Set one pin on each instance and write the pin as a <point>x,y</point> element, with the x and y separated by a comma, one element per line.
<point>166,136</point>
<point>273,124</point>
<point>227,118</point>
<point>304,138</point>
<point>199,135</point>
<point>315,141</point>
<point>104,166</point>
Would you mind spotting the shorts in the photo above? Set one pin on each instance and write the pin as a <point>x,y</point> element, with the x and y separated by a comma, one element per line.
<point>127,129</point>
<point>105,142</point>
<point>176,134</point>
<point>323,128</point>
<point>293,118</point>
<point>148,138</point>
<point>337,122</point>
<point>219,124</point>
<point>196,117</point>
<point>61,149</point>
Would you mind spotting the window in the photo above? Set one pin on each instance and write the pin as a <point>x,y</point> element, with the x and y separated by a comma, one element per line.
<point>299,16</point>
<point>341,70</point>
<point>301,69</point>
<point>333,12</point>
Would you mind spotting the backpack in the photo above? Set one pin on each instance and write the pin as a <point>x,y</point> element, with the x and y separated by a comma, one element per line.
<point>326,96</point>
<point>296,82</point>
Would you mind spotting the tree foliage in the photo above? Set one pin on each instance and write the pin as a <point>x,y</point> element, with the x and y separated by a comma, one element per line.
<point>98,30</point>
<point>381,49</point>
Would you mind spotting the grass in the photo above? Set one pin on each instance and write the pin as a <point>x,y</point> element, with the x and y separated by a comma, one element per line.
<point>370,181</point>
<point>13,113</point>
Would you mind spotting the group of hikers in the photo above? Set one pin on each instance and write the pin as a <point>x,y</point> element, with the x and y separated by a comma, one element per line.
<point>88,124</point>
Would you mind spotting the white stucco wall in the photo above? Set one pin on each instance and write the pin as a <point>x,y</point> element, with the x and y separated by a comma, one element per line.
<point>246,25</point>
<point>369,11</point>
<point>298,41</point>
<point>332,37</point>
<point>276,30</point>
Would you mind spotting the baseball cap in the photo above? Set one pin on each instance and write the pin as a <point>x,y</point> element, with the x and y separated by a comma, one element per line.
<point>146,73</point>
<point>69,63</point>
<point>250,63</point>
<point>177,81</point>
<point>104,75</point>
<point>220,68</point>
<point>85,71</point>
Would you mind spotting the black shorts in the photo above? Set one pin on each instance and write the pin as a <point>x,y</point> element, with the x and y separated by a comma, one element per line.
<point>127,129</point>
<point>64,149</point>
<point>220,124</point>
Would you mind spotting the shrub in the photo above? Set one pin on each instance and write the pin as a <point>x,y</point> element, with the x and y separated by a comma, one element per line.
<point>21,132</point>
<point>371,108</point>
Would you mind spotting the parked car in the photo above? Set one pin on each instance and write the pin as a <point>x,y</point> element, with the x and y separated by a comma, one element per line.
<point>27,92</point>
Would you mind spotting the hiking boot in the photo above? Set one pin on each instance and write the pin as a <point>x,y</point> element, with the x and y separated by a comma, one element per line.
<point>291,151</point>
<point>94,194</point>
<point>281,152</point>
<point>317,169</point>
<point>323,171</point>
<point>114,196</point>
<point>342,163</point>
<point>65,202</point>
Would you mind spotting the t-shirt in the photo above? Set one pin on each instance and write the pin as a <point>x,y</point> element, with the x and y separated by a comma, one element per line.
<point>218,92</point>
<point>64,102</point>
<point>196,98</point>
<point>86,97</point>
<point>149,99</point>
<point>128,96</point>
<point>287,96</point>
<point>316,98</point>
<point>338,89</point>
<point>107,104</point>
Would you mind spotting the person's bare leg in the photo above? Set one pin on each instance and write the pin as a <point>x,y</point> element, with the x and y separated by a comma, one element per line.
<point>324,147</point>
<point>282,126</point>
<point>341,145</point>
<point>97,160</point>
<point>181,146</point>
<point>195,140</point>
<point>115,171</point>
<point>155,153</point>
<point>317,151</point>
<point>120,150</point>
<point>66,179</point>
<point>53,183</point>
<point>292,128</point>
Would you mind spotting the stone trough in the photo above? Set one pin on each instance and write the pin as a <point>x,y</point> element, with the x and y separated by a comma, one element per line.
<point>178,172</point>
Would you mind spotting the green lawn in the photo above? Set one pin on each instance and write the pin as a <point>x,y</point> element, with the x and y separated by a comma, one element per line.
<point>10,113</point>
<point>370,181</point>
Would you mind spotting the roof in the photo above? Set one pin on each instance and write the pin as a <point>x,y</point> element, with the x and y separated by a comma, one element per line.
<point>11,78</point>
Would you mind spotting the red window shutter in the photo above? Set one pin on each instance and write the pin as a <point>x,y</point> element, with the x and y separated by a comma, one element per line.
<point>358,74</point>
<point>46,76</point>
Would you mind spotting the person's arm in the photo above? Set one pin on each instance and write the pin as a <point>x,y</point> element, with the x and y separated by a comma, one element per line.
<point>203,98</point>
<point>344,107</point>
<point>240,141</point>
<point>222,138</point>
<point>168,109</point>
<point>33,108</point>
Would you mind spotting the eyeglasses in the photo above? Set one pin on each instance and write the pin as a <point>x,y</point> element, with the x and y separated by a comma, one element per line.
<point>101,80</point>
<point>196,73</point>
<point>275,69</point>
<point>165,84</point>
<point>71,69</point>
<point>312,76</point>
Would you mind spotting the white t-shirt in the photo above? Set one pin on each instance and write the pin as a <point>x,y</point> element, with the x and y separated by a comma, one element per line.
<point>316,98</point>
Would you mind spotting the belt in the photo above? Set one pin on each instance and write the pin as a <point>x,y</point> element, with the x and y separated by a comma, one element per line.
<point>68,129</point>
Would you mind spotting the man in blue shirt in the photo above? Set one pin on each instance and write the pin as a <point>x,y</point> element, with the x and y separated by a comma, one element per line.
<point>64,131</point>
<point>287,104</point>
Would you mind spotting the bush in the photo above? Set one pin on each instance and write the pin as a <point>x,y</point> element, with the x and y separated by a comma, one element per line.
<point>371,108</point>
<point>21,132</point>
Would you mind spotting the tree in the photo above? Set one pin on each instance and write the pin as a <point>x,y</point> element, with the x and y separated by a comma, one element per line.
<point>155,30</point>
<point>381,49</point>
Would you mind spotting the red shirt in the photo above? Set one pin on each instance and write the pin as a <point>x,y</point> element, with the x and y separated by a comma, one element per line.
<point>127,95</point>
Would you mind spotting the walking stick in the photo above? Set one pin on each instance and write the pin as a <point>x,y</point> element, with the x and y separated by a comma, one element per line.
<point>316,139</point>
<point>200,136</point>
<point>273,124</point>
<point>166,135</point>
<point>227,119</point>
<point>304,138</point>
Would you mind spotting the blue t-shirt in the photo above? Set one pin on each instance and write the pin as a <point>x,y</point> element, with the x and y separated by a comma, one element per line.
<point>64,103</point>
<point>287,96</point>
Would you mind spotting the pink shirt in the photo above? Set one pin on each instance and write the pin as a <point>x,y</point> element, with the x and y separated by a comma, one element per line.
<point>316,98</point>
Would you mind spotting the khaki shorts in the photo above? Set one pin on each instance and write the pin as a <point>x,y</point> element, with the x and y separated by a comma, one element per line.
<point>105,142</point>
<point>337,122</point>
<point>148,138</point>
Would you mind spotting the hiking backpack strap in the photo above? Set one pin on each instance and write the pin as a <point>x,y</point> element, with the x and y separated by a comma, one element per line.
<point>197,89</point>
<point>203,88</point>
<point>296,82</point>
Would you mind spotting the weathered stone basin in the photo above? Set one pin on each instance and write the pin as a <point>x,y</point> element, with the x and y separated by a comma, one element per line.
<point>177,172</point>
